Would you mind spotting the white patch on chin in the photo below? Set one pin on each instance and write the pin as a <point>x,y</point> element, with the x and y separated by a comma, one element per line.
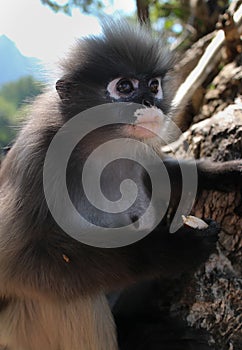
<point>150,122</point>
<point>148,113</point>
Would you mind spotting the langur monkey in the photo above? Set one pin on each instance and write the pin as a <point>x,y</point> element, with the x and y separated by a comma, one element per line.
<point>53,287</point>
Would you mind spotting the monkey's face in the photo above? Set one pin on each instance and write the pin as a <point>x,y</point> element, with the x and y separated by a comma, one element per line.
<point>137,88</point>
<point>125,65</point>
<point>143,90</point>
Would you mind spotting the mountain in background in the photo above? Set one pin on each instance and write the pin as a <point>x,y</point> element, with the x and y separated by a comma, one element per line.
<point>13,65</point>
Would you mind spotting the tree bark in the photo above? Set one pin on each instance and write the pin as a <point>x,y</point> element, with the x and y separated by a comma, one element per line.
<point>212,301</point>
<point>143,11</point>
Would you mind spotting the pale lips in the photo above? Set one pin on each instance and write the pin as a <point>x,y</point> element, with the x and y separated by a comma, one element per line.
<point>148,123</point>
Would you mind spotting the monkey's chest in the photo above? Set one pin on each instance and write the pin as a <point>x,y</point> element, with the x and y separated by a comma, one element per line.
<point>117,196</point>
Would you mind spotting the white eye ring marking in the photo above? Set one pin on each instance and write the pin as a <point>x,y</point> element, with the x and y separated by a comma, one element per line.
<point>159,94</point>
<point>112,87</point>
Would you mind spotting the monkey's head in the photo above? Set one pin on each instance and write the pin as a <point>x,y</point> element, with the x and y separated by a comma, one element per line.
<point>124,64</point>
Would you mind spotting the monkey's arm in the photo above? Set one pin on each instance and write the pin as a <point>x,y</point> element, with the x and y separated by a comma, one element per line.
<point>210,175</point>
<point>217,176</point>
<point>39,260</point>
<point>180,246</point>
<point>58,267</point>
<point>37,257</point>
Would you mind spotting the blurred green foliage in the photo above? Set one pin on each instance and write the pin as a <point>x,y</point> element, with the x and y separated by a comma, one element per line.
<point>182,21</point>
<point>7,111</point>
<point>88,6</point>
<point>13,98</point>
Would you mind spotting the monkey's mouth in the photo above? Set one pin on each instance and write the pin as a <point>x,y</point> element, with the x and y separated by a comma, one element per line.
<point>149,123</point>
<point>147,129</point>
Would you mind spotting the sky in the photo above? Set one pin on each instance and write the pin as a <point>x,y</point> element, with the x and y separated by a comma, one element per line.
<point>39,32</point>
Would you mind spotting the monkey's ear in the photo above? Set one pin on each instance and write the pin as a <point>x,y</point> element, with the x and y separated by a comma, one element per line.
<point>64,88</point>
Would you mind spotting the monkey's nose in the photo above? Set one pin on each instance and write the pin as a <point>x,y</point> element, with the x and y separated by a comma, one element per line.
<point>146,103</point>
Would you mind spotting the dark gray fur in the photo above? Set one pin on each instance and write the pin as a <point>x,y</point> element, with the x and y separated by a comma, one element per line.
<point>95,61</point>
<point>47,302</point>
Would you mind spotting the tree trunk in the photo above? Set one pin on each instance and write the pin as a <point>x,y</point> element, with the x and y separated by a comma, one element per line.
<point>204,311</point>
<point>143,11</point>
<point>213,301</point>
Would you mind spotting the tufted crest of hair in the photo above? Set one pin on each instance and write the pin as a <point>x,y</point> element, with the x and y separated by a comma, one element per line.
<point>121,50</point>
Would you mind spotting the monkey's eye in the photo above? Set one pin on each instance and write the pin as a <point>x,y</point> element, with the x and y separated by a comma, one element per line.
<point>125,86</point>
<point>122,87</point>
<point>155,87</point>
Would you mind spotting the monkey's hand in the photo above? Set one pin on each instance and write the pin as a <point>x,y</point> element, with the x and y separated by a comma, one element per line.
<point>169,255</point>
<point>186,249</point>
<point>198,243</point>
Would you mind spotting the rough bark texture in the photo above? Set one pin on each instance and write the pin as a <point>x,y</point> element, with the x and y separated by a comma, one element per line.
<point>204,311</point>
<point>143,11</point>
<point>223,90</point>
<point>213,301</point>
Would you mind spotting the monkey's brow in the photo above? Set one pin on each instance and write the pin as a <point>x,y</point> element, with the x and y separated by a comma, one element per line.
<point>159,72</point>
